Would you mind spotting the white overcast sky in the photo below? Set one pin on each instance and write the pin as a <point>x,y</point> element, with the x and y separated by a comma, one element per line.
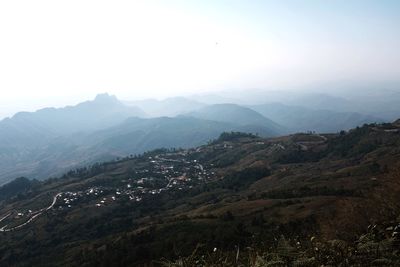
<point>54,53</point>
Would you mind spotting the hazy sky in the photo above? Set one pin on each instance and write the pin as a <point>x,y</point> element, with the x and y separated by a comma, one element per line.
<point>58,52</point>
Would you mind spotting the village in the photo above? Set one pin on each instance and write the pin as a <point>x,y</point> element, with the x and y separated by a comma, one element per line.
<point>170,171</point>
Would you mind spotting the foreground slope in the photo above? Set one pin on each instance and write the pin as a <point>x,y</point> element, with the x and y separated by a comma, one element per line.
<point>238,191</point>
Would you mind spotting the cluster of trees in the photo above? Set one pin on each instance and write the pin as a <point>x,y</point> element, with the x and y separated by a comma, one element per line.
<point>18,188</point>
<point>353,143</point>
<point>85,172</point>
<point>231,136</point>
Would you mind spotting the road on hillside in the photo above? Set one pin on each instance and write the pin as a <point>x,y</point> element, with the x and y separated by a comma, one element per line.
<point>36,214</point>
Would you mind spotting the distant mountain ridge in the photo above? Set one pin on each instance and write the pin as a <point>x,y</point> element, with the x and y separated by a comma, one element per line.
<point>102,112</point>
<point>232,113</point>
<point>301,119</point>
<point>169,107</point>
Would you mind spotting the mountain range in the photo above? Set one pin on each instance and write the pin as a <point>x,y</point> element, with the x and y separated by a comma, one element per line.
<point>50,141</point>
<point>302,119</point>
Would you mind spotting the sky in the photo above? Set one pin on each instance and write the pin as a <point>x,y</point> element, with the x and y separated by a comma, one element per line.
<point>54,53</point>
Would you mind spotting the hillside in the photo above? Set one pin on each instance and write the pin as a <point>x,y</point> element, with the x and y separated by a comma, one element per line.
<point>238,191</point>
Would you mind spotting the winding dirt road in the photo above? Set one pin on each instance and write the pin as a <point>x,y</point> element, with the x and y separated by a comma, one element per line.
<point>34,216</point>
